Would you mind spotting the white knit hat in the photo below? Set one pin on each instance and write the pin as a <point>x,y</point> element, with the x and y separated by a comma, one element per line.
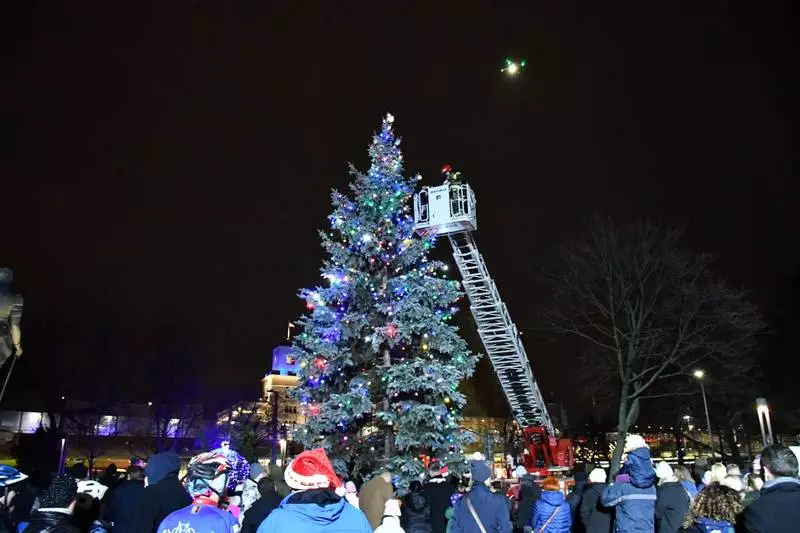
<point>598,475</point>
<point>664,471</point>
<point>634,442</point>
<point>392,508</point>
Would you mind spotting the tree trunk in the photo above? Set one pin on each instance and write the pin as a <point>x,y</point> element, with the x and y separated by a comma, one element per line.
<point>389,443</point>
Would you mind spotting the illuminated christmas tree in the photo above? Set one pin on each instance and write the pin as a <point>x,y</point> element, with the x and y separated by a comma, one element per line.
<point>379,356</point>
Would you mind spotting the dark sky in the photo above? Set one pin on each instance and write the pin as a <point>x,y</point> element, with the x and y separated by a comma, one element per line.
<point>169,165</point>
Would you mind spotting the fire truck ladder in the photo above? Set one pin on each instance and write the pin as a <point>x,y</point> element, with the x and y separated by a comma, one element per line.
<point>499,335</point>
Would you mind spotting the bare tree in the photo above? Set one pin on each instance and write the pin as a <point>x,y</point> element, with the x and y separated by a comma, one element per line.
<point>649,311</point>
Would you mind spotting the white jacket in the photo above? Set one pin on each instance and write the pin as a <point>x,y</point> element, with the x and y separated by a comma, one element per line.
<point>390,524</point>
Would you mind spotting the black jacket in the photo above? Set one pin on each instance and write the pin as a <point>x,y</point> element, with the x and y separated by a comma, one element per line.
<point>528,496</point>
<point>259,511</point>
<point>776,511</point>
<point>438,492</point>
<point>574,501</point>
<point>53,522</point>
<point>417,513</point>
<point>672,504</point>
<point>594,517</point>
<point>159,500</point>
<point>123,504</point>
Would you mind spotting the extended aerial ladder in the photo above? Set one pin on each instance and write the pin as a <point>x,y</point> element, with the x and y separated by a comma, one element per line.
<point>449,209</point>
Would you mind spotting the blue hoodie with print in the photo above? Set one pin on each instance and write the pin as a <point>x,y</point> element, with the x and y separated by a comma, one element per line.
<point>635,501</point>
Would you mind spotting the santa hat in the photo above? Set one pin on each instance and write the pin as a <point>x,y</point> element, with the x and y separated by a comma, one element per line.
<point>313,470</point>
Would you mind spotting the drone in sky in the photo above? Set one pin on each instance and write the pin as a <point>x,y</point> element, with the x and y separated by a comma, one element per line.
<point>513,67</point>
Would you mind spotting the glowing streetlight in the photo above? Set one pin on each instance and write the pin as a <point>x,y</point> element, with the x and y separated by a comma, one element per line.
<point>700,374</point>
<point>762,408</point>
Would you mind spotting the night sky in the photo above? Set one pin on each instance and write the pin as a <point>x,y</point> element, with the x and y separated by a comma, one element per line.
<point>168,166</point>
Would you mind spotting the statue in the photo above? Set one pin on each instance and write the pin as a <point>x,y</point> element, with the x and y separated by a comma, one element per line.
<point>10,318</point>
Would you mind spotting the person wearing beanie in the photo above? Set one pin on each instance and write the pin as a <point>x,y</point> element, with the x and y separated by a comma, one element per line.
<point>373,496</point>
<point>124,502</point>
<point>316,503</point>
<point>56,503</point>
<point>672,500</point>
<point>594,517</point>
<point>551,514</point>
<point>163,493</point>
<point>529,494</point>
<point>391,518</point>
<point>250,493</point>
<point>480,505</point>
<point>261,509</point>
<point>633,495</point>
<point>438,490</point>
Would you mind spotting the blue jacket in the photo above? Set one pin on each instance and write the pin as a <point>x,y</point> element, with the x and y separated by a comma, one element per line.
<point>635,501</point>
<point>200,519</point>
<point>491,508</point>
<point>315,511</point>
<point>548,503</point>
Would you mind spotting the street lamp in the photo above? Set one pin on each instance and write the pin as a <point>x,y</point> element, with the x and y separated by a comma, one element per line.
<point>700,374</point>
<point>763,414</point>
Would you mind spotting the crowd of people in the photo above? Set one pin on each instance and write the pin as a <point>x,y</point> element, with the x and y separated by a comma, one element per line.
<point>220,492</point>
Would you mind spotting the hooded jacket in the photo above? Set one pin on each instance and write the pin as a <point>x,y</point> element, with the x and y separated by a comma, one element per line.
<point>635,499</point>
<point>672,504</point>
<point>164,493</point>
<point>52,521</point>
<point>595,517</point>
<point>315,511</point>
<point>551,504</point>
<point>491,509</point>
<point>777,510</point>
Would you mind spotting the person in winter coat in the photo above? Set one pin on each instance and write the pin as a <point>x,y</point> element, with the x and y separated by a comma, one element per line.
<point>276,475</point>
<point>634,500</point>
<point>683,475</point>
<point>250,490</point>
<point>56,503</point>
<point>551,514</point>
<point>318,505</point>
<point>529,493</point>
<point>713,511</point>
<point>672,501</point>
<point>438,491</point>
<point>480,504</point>
<point>752,488</point>
<point>595,517</point>
<point>163,493</point>
<point>574,499</point>
<point>207,482</point>
<point>391,519</point>
<point>262,507</point>
<point>124,501</point>
<point>417,515</point>
<point>777,510</point>
<point>373,496</point>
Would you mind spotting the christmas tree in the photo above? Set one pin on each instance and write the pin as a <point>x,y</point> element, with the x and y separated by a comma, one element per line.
<point>380,360</point>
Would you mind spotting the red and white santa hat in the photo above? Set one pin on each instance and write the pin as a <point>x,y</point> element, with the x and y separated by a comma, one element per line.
<point>313,470</point>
